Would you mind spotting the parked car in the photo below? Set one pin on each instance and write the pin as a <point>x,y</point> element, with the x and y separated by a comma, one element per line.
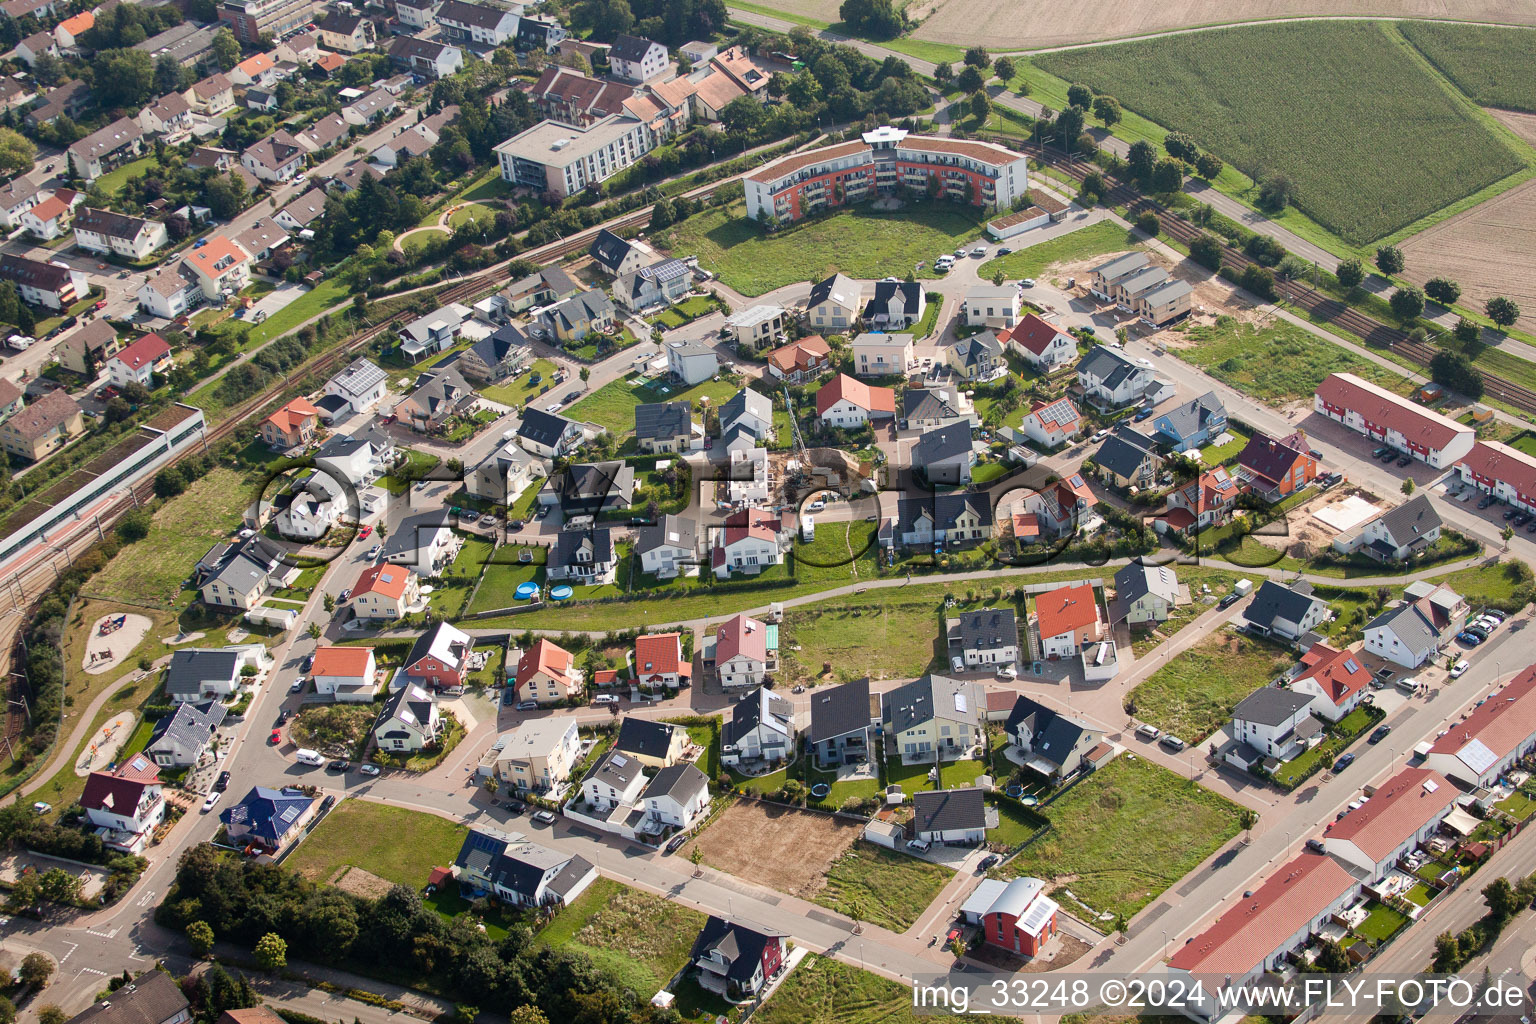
<point>368,769</point>
<point>545,818</point>
<point>339,766</point>
<point>1228,601</point>
<point>276,737</point>
<point>606,698</point>
<point>223,782</point>
<point>1028,282</point>
<point>365,533</point>
<point>282,716</point>
<point>676,842</point>
<point>1316,845</point>
<point>1380,734</point>
<point>1460,668</point>
<point>298,684</point>
<point>1172,742</point>
<point>1343,762</point>
<point>1406,460</point>
<point>1509,514</point>
<point>213,798</point>
<point>1142,414</point>
<point>1469,639</point>
<point>1477,631</point>
<point>527,705</point>
<point>1485,501</point>
<point>1004,250</point>
<point>1380,451</point>
<point>987,861</point>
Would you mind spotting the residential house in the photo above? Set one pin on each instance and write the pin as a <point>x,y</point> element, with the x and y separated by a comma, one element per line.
<point>547,434</point>
<point>409,722</point>
<point>987,305</point>
<point>1398,533</point>
<point>850,403</point>
<point>745,476</point>
<point>583,557</point>
<point>571,97</point>
<point>417,14</point>
<point>895,304</point>
<point>36,46</point>
<point>952,816</point>
<point>344,462</point>
<point>1163,302</point>
<point>328,132</point>
<point>540,755</point>
<point>742,652</point>
<point>276,158</point>
<point>1479,748</point>
<point>302,48</point>
<point>221,268</point>
<point>125,805</point>
<point>546,287</point>
<point>212,96</point>
<point>68,31</point>
<point>1284,612</point>
<point>664,428</point>
<point>1207,499</point>
<point>139,362</point>
<point>385,592</point>
<point>547,673</point>
<point>486,27</point>
<point>737,960</point>
<point>289,427</point>
<point>517,872</point>
<point>1110,379</point>
<point>1403,812</point>
<point>1041,344</point>
<point>346,32</point>
<point>1144,594</point>
<point>298,215</point>
<point>835,304</point>
<point>619,256</point>
<point>1275,468</point>
<point>1274,723</point>
<point>431,60</point>
<point>840,724</point>
<point>977,358</point>
<point>1018,915</point>
<point>1054,423</point>
<point>104,231</point>
<point>653,744</point>
<point>260,101</point>
<point>760,727</point>
<point>348,675</point>
<point>1063,507</point>
<point>439,658</point>
<point>106,148</point>
<point>657,661</point>
<point>882,355</point>
<point>49,219</point>
<point>154,997</point>
<point>362,385</point>
<point>756,326</point>
<point>691,362</point>
<point>43,426</point>
<point>17,196</point>
<point>1192,425</point>
<point>67,100</point>
<point>750,410</point>
<point>10,399</point>
<point>588,488</point>
<point>423,541</point>
<point>940,520</point>
<point>370,108</point>
<point>660,284</point>
<point>1055,745</point>
<point>800,362</point>
<point>670,548</point>
<point>179,739</point>
<point>1335,679</point>
<point>933,718</point>
<point>987,638</point>
<point>1105,278</point>
<point>748,542</point>
<point>197,675</point>
<point>544,33</point>
<point>434,332</point>
<point>1504,472</point>
<point>267,820</point>
<point>1413,632</point>
<point>504,474</point>
<point>239,575</point>
<point>935,408</point>
<point>169,291</point>
<point>1068,619</point>
<point>576,317</point>
<point>439,397</point>
<point>637,60</point>
<point>257,70</point>
<point>1363,407</point>
<point>946,455</point>
<point>1127,458</point>
<point>53,284</point>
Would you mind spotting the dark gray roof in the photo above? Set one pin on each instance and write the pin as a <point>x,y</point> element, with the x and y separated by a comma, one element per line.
<point>1060,736</point>
<point>609,250</point>
<point>631,48</point>
<point>750,712</point>
<point>542,427</point>
<point>948,810</point>
<point>1409,624</point>
<point>663,420</point>
<point>917,403</point>
<point>617,770</point>
<point>596,544</point>
<point>942,444</point>
<point>1276,602</point>
<point>408,537</point>
<point>1109,366</point>
<point>840,710</point>
<point>1137,579</point>
<point>340,23</point>
<point>496,347</point>
<point>471,14</point>
<point>911,293</point>
<point>985,629</point>
<point>404,699</point>
<point>744,401</point>
<point>1184,421</point>
<point>188,670</point>
<point>1029,713</point>
<point>587,306</point>
<point>1124,450</point>
<point>944,509</point>
<point>921,700</point>
<point>568,877</point>
<point>680,781</point>
<point>1270,705</point>
<point>739,945</point>
<point>643,737</point>
<point>1411,520</point>
<point>671,531</point>
<point>152,997</point>
<point>591,487</point>
<point>979,348</point>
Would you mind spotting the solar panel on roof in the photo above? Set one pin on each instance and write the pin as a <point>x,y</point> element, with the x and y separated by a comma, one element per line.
<point>1350,666</point>
<point>1477,756</point>
<point>619,760</point>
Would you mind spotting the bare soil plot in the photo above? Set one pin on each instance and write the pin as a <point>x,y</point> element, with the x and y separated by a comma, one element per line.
<point>361,883</point>
<point>776,846</point>
<point>1034,24</point>
<point>1490,249</point>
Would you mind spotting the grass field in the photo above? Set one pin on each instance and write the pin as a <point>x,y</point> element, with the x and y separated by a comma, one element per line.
<point>366,835</point>
<point>826,991</point>
<point>1093,240</point>
<point>1101,840</point>
<point>1491,65</point>
<point>519,392</point>
<point>640,939</point>
<point>472,213</point>
<point>1238,91</point>
<point>151,571</point>
<point>883,887</point>
<point>1506,585</point>
<point>840,551</point>
<point>857,241</point>
<point>1277,362</point>
<point>113,181</point>
<point>417,239</point>
<point>613,405</point>
<point>1195,692</point>
<point>885,640</point>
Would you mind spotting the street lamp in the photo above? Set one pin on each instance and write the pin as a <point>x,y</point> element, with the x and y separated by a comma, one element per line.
<point>1165,942</point>
<point>1287,844</point>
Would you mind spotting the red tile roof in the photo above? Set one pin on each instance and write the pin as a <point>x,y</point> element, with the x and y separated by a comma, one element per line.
<point>1502,724</point>
<point>1270,459</point>
<point>1400,807</point>
<point>50,209</point>
<point>1032,333</point>
<point>1060,412</point>
<point>341,661</point>
<point>1494,461</point>
<point>1384,409</point>
<point>1026,524</point>
<point>658,654</point>
<point>387,580</point>
<point>749,522</point>
<point>1066,610</point>
<point>741,635</point>
<point>1332,671</point>
<point>294,415</point>
<point>798,355</point>
<point>985,152</point>
<point>785,166</point>
<point>870,399</point>
<point>120,791</point>
<point>147,351</point>
<point>1288,901</point>
<point>545,656</point>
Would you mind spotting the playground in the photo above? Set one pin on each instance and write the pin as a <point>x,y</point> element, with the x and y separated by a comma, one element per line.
<point>112,639</point>
<point>102,748</point>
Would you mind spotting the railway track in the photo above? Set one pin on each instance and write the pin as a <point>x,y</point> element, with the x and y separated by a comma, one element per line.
<point>1317,305</point>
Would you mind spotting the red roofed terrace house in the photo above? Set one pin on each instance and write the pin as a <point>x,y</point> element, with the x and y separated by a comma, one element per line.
<point>138,363</point>
<point>659,662</point>
<point>1504,472</point>
<point>1335,680</point>
<point>547,673</point>
<point>125,804</point>
<point>1485,744</point>
<point>1403,812</point>
<point>1382,416</point>
<point>745,651</point>
<point>1067,619</point>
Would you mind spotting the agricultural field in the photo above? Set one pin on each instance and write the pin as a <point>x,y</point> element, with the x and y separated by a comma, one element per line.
<point>1490,249</point>
<point>1276,363</point>
<point>1194,693</point>
<point>1095,240</point>
<point>1491,65</point>
<point>857,241</point>
<point>1034,26</point>
<point>1371,107</point>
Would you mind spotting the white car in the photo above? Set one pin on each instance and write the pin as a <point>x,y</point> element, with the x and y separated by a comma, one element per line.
<point>368,769</point>
<point>1145,362</point>
<point>373,552</point>
<point>816,506</point>
<point>1460,668</point>
<point>299,179</point>
<point>213,798</point>
<point>979,251</point>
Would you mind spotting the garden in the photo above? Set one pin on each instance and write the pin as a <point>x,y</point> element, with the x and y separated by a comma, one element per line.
<point>364,834</point>
<point>883,887</point>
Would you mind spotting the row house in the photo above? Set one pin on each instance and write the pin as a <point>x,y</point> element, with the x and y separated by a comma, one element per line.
<point>1363,407</point>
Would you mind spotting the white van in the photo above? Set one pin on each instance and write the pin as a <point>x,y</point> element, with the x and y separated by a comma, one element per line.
<point>606,698</point>
<point>310,757</point>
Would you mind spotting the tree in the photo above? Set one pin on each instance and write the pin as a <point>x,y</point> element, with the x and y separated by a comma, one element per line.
<point>609,18</point>
<point>1148,224</point>
<point>330,602</point>
<point>200,934</point>
<point>1140,160</point>
<point>1443,290</point>
<point>1003,68</point>
<point>1209,166</point>
<point>969,80</point>
<point>1447,953</point>
<point>1107,110</point>
<point>1206,250</point>
<point>694,857</point>
<point>170,76</point>
<point>1453,370</point>
<point>7,1011</point>
<point>271,952</point>
<point>662,214</point>
<point>51,1014</point>
<point>1276,192</point>
<point>59,886</point>
<point>1467,332</point>
<point>527,1014</point>
<point>1499,896</point>
<point>1180,146</point>
<point>981,107</point>
<point>131,72</point>
<point>976,57</point>
<point>1246,819</point>
<point>1330,958</point>
<point>1079,96</point>
<point>1167,176</point>
<point>1350,273</point>
<point>35,970</point>
<point>1258,280</point>
<point>1407,487</point>
<point>1502,311</point>
<point>876,18</point>
<point>1407,304</point>
<point>1093,189</point>
<point>943,73</point>
<point>313,631</point>
<point>1069,125</point>
<point>1389,259</point>
<point>226,49</point>
<point>743,116</point>
<point>16,151</point>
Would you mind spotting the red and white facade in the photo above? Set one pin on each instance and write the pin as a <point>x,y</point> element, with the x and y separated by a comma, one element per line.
<point>1504,472</point>
<point>887,158</point>
<point>1021,919</point>
<point>1379,414</point>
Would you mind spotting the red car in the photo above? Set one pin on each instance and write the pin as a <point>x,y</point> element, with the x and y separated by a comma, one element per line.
<point>101,305</point>
<point>276,737</point>
<point>365,533</point>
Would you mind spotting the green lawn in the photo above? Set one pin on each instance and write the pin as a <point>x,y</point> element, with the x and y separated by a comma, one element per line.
<point>857,241</point>
<point>317,300</point>
<point>472,212</point>
<point>1221,454</point>
<point>1237,92</point>
<point>499,587</point>
<point>1381,924</point>
<point>1507,585</point>
<point>613,405</point>
<point>639,938</point>
<point>1126,833</point>
<point>1014,823</point>
<point>367,835</point>
<point>1348,730</point>
<point>1096,239</point>
<point>840,551</point>
<point>113,181</point>
<point>142,732</point>
<point>417,239</point>
<point>707,735</point>
<point>416,465</point>
<point>840,792</point>
<point>913,778</point>
<point>519,392</point>
<point>1194,693</point>
<point>826,991</point>
<point>882,637</point>
<point>881,886</point>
